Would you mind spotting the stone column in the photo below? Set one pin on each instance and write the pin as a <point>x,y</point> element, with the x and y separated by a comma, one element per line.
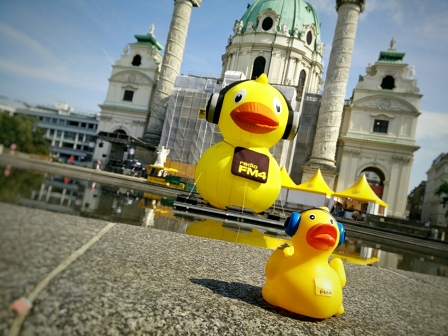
<point>330,112</point>
<point>172,60</point>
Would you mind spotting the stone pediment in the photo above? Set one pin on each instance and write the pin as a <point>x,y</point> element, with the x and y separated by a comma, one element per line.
<point>132,77</point>
<point>385,104</point>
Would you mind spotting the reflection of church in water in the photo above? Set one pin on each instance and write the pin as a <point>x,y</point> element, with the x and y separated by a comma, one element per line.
<point>372,133</point>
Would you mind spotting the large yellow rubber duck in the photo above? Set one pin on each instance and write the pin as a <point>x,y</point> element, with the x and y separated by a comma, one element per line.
<point>252,116</point>
<point>299,278</point>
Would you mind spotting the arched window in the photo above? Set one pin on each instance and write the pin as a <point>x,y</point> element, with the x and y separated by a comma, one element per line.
<point>137,60</point>
<point>375,177</point>
<point>301,85</point>
<point>267,23</point>
<point>388,83</point>
<point>258,68</point>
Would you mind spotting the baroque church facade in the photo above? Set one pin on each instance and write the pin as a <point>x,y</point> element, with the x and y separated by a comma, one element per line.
<point>282,39</point>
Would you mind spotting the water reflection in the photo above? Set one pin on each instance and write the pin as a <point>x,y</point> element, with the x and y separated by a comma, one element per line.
<point>90,199</point>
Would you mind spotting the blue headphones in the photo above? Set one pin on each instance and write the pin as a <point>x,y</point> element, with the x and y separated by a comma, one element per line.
<point>292,224</point>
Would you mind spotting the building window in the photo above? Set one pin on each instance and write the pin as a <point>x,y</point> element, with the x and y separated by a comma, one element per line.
<point>309,38</point>
<point>388,83</point>
<point>73,123</point>
<point>137,60</point>
<point>267,23</point>
<point>128,95</point>
<point>302,79</point>
<point>259,65</point>
<point>69,136</point>
<point>380,126</point>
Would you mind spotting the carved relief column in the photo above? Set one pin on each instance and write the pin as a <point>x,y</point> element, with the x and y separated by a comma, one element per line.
<point>330,113</point>
<point>172,60</point>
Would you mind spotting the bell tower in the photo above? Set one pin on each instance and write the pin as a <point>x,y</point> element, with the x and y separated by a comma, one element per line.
<point>131,85</point>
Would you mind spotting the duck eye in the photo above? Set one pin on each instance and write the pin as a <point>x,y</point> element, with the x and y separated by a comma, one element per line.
<point>312,217</point>
<point>240,95</point>
<point>331,221</point>
<point>277,105</point>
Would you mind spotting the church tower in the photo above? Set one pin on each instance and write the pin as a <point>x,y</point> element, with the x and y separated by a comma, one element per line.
<point>124,112</point>
<point>377,136</point>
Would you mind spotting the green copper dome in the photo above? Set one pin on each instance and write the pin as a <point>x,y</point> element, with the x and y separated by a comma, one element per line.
<point>293,13</point>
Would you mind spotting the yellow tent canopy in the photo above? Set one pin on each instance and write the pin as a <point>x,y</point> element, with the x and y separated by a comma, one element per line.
<point>361,191</point>
<point>316,184</point>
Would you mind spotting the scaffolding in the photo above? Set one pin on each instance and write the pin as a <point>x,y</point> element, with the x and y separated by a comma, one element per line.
<point>184,132</point>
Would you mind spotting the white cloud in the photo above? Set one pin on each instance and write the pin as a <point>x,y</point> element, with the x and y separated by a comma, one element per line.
<point>72,78</point>
<point>433,125</point>
<point>27,42</point>
<point>324,6</point>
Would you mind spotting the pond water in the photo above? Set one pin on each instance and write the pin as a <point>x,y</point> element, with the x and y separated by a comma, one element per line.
<point>153,211</point>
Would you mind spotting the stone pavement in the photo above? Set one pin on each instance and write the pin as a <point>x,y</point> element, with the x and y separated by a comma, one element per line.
<point>91,277</point>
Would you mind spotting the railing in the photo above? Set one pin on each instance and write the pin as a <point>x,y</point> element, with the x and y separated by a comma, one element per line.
<point>204,75</point>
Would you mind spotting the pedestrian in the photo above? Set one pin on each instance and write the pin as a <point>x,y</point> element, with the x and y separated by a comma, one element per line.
<point>98,164</point>
<point>12,148</point>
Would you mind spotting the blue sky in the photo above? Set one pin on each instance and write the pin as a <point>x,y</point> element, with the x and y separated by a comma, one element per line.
<point>62,50</point>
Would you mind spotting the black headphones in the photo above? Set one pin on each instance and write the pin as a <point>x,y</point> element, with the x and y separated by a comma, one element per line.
<point>292,225</point>
<point>215,102</point>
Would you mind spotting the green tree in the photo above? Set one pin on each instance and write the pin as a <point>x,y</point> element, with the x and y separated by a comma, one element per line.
<point>23,131</point>
<point>442,192</point>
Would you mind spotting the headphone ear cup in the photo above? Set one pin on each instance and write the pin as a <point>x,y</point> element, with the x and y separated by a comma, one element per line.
<point>292,224</point>
<point>211,112</point>
<point>341,234</point>
<point>293,125</point>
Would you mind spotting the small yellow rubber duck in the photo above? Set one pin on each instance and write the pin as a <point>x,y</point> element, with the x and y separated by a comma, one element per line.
<point>252,116</point>
<point>299,278</point>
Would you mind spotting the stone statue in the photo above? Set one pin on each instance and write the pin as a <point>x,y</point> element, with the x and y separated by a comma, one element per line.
<point>412,72</point>
<point>151,29</point>
<point>392,44</point>
<point>235,27</point>
<point>162,153</point>
<point>285,29</point>
<point>125,49</point>
<point>296,31</point>
<point>250,26</point>
<point>240,27</point>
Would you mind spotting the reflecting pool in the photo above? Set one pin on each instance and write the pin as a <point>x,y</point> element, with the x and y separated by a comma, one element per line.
<point>154,211</point>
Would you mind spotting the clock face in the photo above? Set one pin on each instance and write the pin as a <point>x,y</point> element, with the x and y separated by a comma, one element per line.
<point>384,104</point>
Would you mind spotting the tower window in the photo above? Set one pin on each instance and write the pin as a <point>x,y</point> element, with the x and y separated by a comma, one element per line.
<point>128,95</point>
<point>137,60</point>
<point>388,83</point>
<point>267,23</point>
<point>309,38</point>
<point>380,126</point>
<point>259,65</point>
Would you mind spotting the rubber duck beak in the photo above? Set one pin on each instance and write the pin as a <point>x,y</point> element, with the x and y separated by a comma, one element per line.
<point>322,236</point>
<point>255,118</point>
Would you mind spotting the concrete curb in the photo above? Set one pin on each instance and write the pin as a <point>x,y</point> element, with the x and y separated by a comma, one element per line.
<point>135,280</point>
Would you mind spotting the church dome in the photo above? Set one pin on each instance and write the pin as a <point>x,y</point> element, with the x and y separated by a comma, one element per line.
<point>294,17</point>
